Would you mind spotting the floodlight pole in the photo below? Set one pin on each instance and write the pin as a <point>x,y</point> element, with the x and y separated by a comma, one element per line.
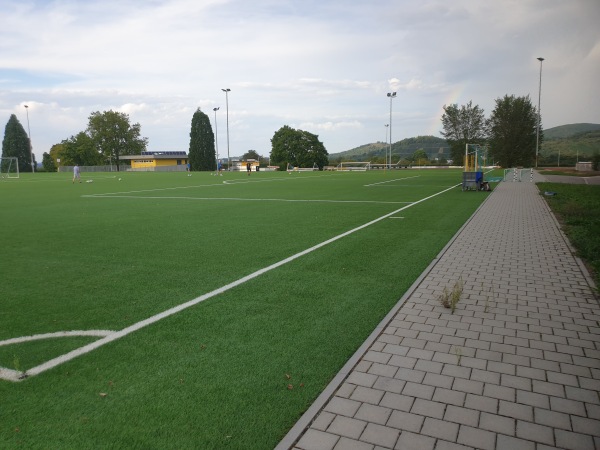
<point>537,136</point>
<point>387,125</point>
<point>227,91</point>
<point>29,137</point>
<point>216,136</point>
<point>391,95</point>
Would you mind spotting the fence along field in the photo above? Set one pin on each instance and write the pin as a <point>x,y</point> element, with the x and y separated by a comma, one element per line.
<point>108,255</point>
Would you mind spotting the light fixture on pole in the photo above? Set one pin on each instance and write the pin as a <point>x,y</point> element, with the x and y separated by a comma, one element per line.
<point>29,137</point>
<point>227,108</point>
<point>391,95</point>
<point>216,136</point>
<point>537,136</point>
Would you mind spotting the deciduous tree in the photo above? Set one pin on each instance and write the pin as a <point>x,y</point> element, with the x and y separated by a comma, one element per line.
<point>464,125</point>
<point>298,148</point>
<point>113,135</point>
<point>512,131</point>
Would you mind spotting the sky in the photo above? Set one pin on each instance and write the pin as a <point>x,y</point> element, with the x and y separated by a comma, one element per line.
<point>323,66</point>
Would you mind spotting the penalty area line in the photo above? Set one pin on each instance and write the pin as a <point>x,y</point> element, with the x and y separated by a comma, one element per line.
<point>169,312</point>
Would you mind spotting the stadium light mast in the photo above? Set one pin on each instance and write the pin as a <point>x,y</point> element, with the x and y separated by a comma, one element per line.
<point>391,95</point>
<point>216,135</point>
<point>537,136</point>
<point>387,126</point>
<point>29,137</point>
<point>227,91</point>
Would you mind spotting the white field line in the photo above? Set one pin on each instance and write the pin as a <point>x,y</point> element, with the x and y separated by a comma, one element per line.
<point>391,181</point>
<point>225,183</point>
<point>169,312</point>
<point>58,334</point>
<point>239,199</point>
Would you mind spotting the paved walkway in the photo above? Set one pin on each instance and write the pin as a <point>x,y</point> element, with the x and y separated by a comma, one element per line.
<point>517,366</point>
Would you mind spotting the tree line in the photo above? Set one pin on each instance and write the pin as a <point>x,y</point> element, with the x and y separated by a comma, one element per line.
<point>110,134</point>
<point>510,133</point>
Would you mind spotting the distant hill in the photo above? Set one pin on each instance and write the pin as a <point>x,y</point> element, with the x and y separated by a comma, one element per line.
<point>567,144</point>
<point>571,130</point>
<point>433,146</point>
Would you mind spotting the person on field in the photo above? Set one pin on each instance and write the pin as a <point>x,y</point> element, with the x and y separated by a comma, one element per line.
<point>76,173</point>
<point>248,168</point>
<point>219,168</point>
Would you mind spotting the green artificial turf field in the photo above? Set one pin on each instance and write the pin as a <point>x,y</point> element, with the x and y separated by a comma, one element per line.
<point>284,276</point>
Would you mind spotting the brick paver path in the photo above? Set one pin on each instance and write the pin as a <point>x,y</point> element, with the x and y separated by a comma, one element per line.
<point>517,366</point>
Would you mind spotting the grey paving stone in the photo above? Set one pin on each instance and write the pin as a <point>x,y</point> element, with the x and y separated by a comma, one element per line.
<point>586,426</point>
<point>406,421</point>
<point>397,401</point>
<point>499,392</point>
<point>428,408</point>
<point>412,441</point>
<point>418,390</point>
<point>342,406</point>
<point>461,415</point>
<point>346,426</point>
<point>481,403</point>
<point>449,397</point>
<point>351,444</point>
<point>380,435</point>
<point>567,406</point>
<point>477,438</point>
<point>574,441</point>
<point>516,410</point>
<point>389,384</point>
<point>323,420</point>
<point>510,443</point>
<point>317,440</point>
<point>552,419</point>
<point>535,432</point>
<point>372,413</point>
<point>367,395</point>
<point>497,423</point>
<point>445,445</point>
<point>440,429</point>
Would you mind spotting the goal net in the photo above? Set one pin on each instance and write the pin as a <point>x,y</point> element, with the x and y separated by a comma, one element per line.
<point>9,167</point>
<point>348,166</point>
<point>292,168</point>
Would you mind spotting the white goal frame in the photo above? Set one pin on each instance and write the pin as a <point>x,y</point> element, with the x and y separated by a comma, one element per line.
<point>9,167</point>
<point>291,168</point>
<point>348,166</point>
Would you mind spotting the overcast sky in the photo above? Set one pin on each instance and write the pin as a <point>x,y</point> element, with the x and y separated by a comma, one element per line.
<point>323,66</point>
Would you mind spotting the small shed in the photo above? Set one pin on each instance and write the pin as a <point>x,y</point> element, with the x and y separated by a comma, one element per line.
<point>157,160</point>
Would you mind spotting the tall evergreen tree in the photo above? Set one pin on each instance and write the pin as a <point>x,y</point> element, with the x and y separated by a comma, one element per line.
<point>48,163</point>
<point>16,144</point>
<point>512,131</point>
<point>202,155</point>
<point>298,148</point>
<point>464,125</point>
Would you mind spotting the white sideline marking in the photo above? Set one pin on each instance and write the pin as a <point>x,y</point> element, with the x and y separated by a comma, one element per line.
<point>239,199</point>
<point>113,336</point>
<point>390,181</point>
<point>37,337</point>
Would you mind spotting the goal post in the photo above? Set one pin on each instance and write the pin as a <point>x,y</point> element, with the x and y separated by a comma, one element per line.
<point>348,166</point>
<point>291,168</point>
<point>9,167</point>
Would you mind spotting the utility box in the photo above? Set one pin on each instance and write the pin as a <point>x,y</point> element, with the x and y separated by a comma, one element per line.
<point>472,181</point>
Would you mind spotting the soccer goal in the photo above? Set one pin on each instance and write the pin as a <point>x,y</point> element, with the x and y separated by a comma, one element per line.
<point>291,168</point>
<point>9,167</point>
<point>348,166</point>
